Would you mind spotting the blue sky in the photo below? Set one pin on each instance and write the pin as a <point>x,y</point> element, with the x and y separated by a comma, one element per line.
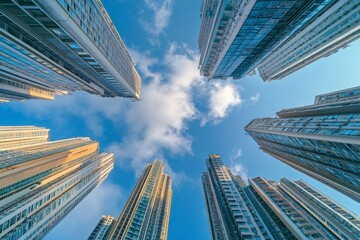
<point>181,117</point>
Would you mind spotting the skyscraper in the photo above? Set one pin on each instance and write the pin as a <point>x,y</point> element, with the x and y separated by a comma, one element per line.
<point>42,181</point>
<point>231,214</point>
<point>320,140</point>
<point>279,36</point>
<point>60,46</point>
<point>333,29</point>
<point>303,210</point>
<point>235,36</point>
<point>147,211</point>
<point>286,210</point>
<point>340,221</point>
<point>102,228</point>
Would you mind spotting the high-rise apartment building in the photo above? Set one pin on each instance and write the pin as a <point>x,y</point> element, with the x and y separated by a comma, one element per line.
<point>333,29</point>
<point>42,181</point>
<point>286,210</point>
<point>231,214</point>
<point>147,211</point>
<point>102,228</point>
<point>235,36</point>
<point>303,211</point>
<point>321,140</point>
<point>343,223</point>
<point>60,46</point>
<point>279,36</point>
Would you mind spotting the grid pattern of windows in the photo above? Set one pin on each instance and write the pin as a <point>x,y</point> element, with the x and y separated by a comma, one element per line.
<point>229,208</point>
<point>22,133</point>
<point>96,23</point>
<point>41,70</point>
<point>278,19</point>
<point>54,193</point>
<point>328,212</point>
<point>339,125</point>
<point>125,216</point>
<point>33,181</point>
<point>338,27</point>
<point>36,195</point>
<point>102,228</point>
<point>303,224</point>
<point>44,53</point>
<point>157,227</point>
<point>317,140</point>
<point>12,86</point>
<point>10,157</point>
<point>216,226</point>
<point>351,94</point>
<point>209,15</point>
<point>147,211</point>
<point>276,227</point>
<point>307,153</point>
<point>288,210</point>
<point>267,25</point>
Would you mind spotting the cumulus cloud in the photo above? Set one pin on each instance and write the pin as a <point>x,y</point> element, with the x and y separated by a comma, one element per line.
<point>223,96</point>
<point>161,11</point>
<point>172,94</point>
<point>158,121</point>
<point>106,199</point>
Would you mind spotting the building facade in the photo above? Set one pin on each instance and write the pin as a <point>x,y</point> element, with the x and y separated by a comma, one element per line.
<point>278,37</point>
<point>230,212</point>
<point>334,28</point>
<point>287,210</point>
<point>147,211</point>
<point>343,223</point>
<point>102,228</point>
<point>54,47</point>
<point>304,211</point>
<point>320,140</point>
<point>235,36</point>
<point>42,181</point>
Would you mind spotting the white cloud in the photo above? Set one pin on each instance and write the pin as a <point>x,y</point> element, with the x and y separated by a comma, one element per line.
<point>223,96</point>
<point>106,199</point>
<point>161,10</point>
<point>239,169</point>
<point>156,126</point>
<point>236,167</point>
<point>254,99</point>
<point>158,122</point>
<point>146,63</point>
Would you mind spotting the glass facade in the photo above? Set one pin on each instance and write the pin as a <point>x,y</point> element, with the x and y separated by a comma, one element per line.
<point>147,211</point>
<point>340,221</point>
<point>55,47</point>
<point>287,210</point>
<point>231,213</point>
<point>41,182</point>
<point>322,140</point>
<point>292,208</point>
<point>333,29</point>
<point>236,36</point>
<point>276,226</point>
